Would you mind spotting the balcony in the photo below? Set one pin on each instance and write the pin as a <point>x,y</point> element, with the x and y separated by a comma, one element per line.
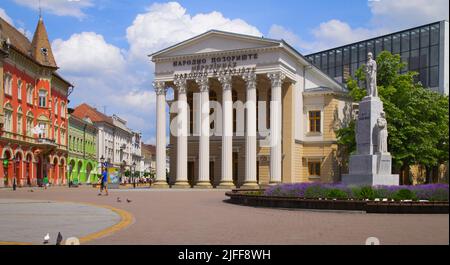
<point>46,142</point>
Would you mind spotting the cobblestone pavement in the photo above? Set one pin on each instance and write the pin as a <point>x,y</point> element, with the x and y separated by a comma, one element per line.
<point>202,217</point>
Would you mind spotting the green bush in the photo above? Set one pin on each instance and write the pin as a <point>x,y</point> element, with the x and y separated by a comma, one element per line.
<point>404,194</point>
<point>336,194</point>
<point>362,193</point>
<point>315,192</point>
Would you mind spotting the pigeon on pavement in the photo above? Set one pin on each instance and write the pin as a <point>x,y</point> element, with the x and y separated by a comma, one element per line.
<point>59,239</point>
<point>118,199</point>
<point>46,238</point>
<point>128,200</point>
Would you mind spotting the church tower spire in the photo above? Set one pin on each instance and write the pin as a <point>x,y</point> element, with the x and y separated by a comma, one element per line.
<point>41,49</point>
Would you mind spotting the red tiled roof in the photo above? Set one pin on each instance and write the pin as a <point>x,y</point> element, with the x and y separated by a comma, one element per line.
<point>84,110</point>
<point>148,149</point>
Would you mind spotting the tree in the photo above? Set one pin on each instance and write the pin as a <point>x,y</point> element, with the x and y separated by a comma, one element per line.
<point>417,117</point>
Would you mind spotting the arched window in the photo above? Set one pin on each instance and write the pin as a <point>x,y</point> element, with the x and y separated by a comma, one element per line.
<point>212,97</point>
<point>63,109</point>
<point>234,96</point>
<point>8,117</point>
<point>56,106</point>
<point>30,120</point>
<point>19,89</point>
<point>30,94</point>
<point>44,127</point>
<point>8,84</point>
<point>19,121</point>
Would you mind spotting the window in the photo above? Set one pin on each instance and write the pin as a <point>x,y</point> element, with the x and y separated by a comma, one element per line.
<point>423,57</point>
<point>19,121</point>
<point>29,124</point>
<point>387,43</point>
<point>405,41</point>
<point>30,94</point>
<point>434,55</point>
<point>414,60</point>
<point>8,84</point>
<point>56,106</point>
<point>434,76</point>
<point>378,46</point>
<point>63,110</point>
<point>362,52</point>
<point>314,121</point>
<point>396,39</point>
<point>19,89</point>
<point>8,118</point>
<point>434,34</point>
<point>415,39</point>
<point>43,130</point>
<point>370,47</point>
<point>314,168</point>
<point>354,54</point>
<point>424,37</point>
<point>42,98</point>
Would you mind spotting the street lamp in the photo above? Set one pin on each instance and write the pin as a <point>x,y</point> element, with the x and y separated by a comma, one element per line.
<point>5,168</point>
<point>133,167</point>
<point>16,162</point>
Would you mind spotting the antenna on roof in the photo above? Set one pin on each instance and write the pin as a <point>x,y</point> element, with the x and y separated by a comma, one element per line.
<point>104,109</point>
<point>40,10</point>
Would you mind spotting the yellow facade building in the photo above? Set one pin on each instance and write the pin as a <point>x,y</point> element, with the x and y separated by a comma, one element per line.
<point>246,112</point>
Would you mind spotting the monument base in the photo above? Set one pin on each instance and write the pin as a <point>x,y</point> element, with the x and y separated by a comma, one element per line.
<point>370,170</point>
<point>370,179</point>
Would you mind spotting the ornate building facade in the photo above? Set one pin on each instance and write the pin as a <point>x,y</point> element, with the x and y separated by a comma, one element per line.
<point>246,111</point>
<point>33,110</point>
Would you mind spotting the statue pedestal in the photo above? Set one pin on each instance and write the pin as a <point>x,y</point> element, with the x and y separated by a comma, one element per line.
<point>368,167</point>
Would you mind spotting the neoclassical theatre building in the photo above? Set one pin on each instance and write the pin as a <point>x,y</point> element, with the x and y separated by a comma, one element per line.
<point>285,133</point>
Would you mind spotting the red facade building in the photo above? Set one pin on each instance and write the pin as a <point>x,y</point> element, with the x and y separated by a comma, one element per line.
<point>33,110</point>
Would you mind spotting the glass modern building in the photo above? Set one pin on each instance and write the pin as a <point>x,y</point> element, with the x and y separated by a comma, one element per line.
<point>425,49</point>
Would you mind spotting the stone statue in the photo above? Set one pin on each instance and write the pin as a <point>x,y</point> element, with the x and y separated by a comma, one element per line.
<point>371,73</point>
<point>382,133</point>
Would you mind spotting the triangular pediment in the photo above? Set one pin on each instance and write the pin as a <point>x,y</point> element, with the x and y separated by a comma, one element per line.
<point>215,41</point>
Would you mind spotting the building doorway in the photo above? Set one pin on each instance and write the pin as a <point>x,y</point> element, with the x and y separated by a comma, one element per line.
<point>235,169</point>
<point>29,170</point>
<point>7,168</point>
<point>88,172</point>
<point>191,172</point>
<point>211,172</point>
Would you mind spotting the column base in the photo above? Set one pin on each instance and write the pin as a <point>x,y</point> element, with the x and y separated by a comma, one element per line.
<point>250,185</point>
<point>273,183</point>
<point>226,185</point>
<point>181,185</point>
<point>160,185</point>
<point>203,185</point>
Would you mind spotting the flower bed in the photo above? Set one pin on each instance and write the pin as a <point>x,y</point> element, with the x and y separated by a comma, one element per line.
<point>430,192</point>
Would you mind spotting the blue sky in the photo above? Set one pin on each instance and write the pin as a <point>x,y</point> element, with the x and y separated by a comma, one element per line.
<point>101,45</point>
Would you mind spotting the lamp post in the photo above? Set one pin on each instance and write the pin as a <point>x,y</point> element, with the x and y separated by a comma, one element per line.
<point>16,162</point>
<point>70,175</point>
<point>133,167</point>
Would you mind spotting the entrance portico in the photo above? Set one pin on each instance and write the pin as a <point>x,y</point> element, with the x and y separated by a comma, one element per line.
<point>246,81</point>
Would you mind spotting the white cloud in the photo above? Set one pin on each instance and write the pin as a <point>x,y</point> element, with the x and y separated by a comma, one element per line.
<point>399,14</point>
<point>166,24</point>
<point>88,53</point>
<point>5,16</point>
<point>72,8</point>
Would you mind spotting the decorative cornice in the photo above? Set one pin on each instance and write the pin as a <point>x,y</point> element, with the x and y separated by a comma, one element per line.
<point>180,84</point>
<point>276,78</point>
<point>225,80</point>
<point>160,87</point>
<point>203,83</point>
<point>250,80</point>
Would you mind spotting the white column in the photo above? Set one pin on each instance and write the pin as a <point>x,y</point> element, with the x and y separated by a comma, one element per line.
<point>250,135</point>
<point>226,180</point>
<point>276,79</point>
<point>182,132</point>
<point>160,90</point>
<point>203,176</point>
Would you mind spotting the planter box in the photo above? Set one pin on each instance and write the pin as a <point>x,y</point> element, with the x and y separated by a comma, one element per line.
<point>239,197</point>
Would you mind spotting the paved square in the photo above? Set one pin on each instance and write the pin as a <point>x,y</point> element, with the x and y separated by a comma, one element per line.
<point>202,217</point>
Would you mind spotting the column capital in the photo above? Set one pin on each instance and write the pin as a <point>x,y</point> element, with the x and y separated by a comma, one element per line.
<point>160,87</point>
<point>225,80</point>
<point>250,79</point>
<point>276,78</point>
<point>203,83</point>
<point>180,84</point>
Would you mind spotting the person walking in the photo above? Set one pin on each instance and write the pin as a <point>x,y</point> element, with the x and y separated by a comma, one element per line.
<point>104,183</point>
